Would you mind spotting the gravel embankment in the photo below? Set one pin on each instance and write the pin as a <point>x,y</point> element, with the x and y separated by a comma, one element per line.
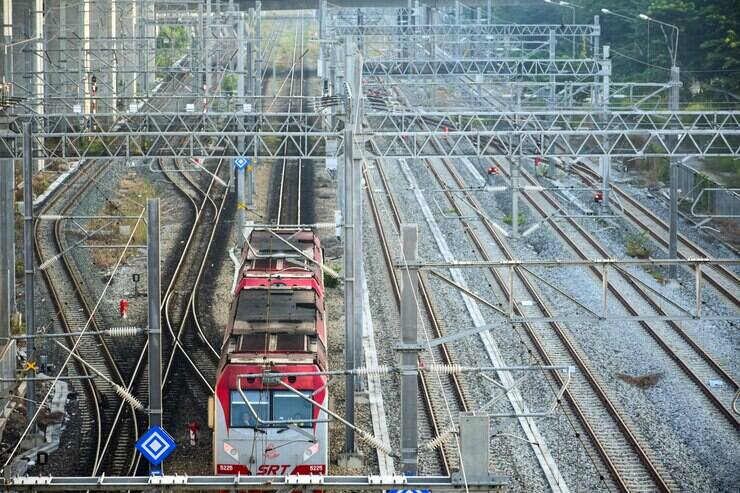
<point>695,443</point>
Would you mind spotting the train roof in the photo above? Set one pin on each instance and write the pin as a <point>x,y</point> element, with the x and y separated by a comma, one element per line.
<point>287,311</point>
<point>280,243</point>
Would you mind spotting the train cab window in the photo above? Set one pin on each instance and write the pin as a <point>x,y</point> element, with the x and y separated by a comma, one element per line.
<point>287,406</point>
<point>241,416</point>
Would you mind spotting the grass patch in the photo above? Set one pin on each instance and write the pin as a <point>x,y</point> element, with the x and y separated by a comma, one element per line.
<point>656,273</point>
<point>508,219</point>
<point>638,245</point>
<point>602,222</point>
<point>332,282</point>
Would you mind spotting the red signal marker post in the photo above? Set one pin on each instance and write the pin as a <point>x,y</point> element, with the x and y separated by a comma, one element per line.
<point>123,308</point>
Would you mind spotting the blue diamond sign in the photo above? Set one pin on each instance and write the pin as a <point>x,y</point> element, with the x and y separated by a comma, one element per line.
<point>156,445</point>
<point>241,162</point>
<point>409,491</point>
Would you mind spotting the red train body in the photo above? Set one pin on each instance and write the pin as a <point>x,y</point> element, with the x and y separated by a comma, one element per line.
<point>276,324</point>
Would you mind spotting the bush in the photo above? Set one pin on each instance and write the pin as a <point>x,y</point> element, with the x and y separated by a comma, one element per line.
<point>638,245</point>
<point>229,83</point>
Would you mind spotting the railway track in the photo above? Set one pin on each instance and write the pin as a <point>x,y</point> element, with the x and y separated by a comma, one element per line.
<point>691,359</point>
<point>109,431</point>
<point>722,279</point>
<point>189,359</point>
<point>627,464</point>
<point>104,446</point>
<point>433,390</point>
<point>179,299</point>
<point>290,181</point>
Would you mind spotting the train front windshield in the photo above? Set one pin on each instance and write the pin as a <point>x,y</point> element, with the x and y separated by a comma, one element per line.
<point>274,405</point>
<point>241,415</point>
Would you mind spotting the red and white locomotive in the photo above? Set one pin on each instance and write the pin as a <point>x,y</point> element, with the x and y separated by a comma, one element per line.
<point>269,426</point>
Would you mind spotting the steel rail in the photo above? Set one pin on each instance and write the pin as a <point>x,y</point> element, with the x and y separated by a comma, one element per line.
<point>426,296</point>
<point>192,195</point>
<point>604,450</point>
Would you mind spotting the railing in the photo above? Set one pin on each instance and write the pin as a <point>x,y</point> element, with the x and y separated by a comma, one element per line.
<point>707,197</point>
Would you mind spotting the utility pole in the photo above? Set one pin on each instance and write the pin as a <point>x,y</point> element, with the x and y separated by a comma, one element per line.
<point>673,179</point>
<point>7,180</point>
<point>258,60</point>
<point>551,52</point>
<point>240,92</point>
<point>28,264</point>
<point>595,53</point>
<point>207,50</point>
<point>321,14</point>
<point>154,334</point>
<point>38,61</point>
<point>409,352</point>
<point>354,81</point>
<point>606,159</point>
<point>6,174</point>
<point>349,289</point>
<point>595,38</point>
<point>352,217</point>
<point>516,161</point>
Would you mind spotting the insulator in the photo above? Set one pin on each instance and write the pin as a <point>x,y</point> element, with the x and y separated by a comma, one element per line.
<point>374,442</point>
<point>126,396</point>
<point>445,369</point>
<point>440,439</point>
<point>44,265</point>
<point>123,331</point>
<point>373,370</point>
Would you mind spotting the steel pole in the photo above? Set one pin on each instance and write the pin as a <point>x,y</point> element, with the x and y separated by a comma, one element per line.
<point>28,262</point>
<point>349,288</point>
<point>207,49</point>
<point>241,92</point>
<point>358,325</point>
<point>154,350</point>
<point>9,212</point>
<point>673,180</point>
<point>251,90</point>
<point>515,163</point>
<point>595,38</point>
<point>409,352</point>
<point>606,160</point>
<point>258,51</point>
<point>552,44</point>
<point>573,39</point>
<point>5,166</point>
<point>320,69</point>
